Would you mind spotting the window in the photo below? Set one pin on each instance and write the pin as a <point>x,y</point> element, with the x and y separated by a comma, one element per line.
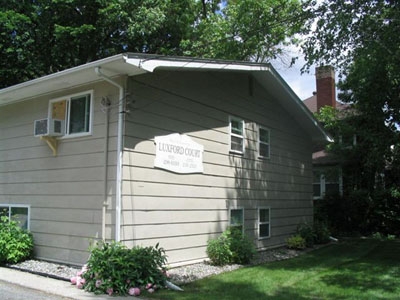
<point>317,184</point>
<point>263,142</point>
<point>18,213</point>
<point>264,225</point>
<point>236,218</point>
<point>236,128</point>
<point>76,111</point>
<point>327,181</point>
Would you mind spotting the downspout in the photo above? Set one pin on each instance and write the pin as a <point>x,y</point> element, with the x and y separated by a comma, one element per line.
<point>105,103</point>
<point>118,187</point>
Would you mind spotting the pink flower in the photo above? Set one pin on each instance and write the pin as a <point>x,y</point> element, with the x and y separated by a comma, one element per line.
<point>151,291</point>
<point>110,291</point>
<point>73,280</point>
<point>83,281</point>
<point>79,285</point>
<point>80,273</point>
<point>149,285</point>
<point>131,291</point>
<point>98,283</point>
<point>136,291</point>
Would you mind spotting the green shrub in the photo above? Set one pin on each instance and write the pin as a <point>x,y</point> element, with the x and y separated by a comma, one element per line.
<point>306,231</point>
<point>16,244</point>
<point>296,242</point>
<point>116,270</point>
<point>218,251</point>
<point>231,247</point>
<point>321,232</point>
<point>241,246</point>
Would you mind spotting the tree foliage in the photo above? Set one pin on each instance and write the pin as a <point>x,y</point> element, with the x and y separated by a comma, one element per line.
<point>248,30</point>
<point>46,36</point>
<point>361,39</point>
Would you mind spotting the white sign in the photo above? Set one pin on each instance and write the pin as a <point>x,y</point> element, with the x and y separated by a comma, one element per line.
<point>178,153</point>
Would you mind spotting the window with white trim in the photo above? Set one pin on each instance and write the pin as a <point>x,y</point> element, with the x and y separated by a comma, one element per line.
<point>327,181</point>
<point>17,213</point>
<point>236,131</point>
<point>263,142</point>
<point>236,218</point>
<point>264,223</point>
<point>76,111</point>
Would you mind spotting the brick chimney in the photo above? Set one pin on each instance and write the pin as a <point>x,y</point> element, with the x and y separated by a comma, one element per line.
<point>325,78</point>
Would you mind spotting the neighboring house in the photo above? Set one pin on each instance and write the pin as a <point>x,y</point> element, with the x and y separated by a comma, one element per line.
<point>327,171</point>
<point>149,149</point>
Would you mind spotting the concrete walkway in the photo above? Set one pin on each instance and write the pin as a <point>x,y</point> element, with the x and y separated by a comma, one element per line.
<point>51,286</point>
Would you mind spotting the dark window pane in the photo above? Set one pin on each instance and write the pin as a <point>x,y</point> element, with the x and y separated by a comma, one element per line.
<point>79,114</point>
<point>264,150</point>
<point>236,217</point>
<point>264,215</point>
<point>237,127</point>
<point>264,230</point>
<point>264,136</point>
<point>20,215</point>
<point>4,211</point>
<point>316,190</point>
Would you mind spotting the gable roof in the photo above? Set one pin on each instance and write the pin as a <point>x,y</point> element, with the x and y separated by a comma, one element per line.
<point>135,64</point>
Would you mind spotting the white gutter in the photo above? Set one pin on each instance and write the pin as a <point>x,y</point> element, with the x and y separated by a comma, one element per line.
<point>118,195</point>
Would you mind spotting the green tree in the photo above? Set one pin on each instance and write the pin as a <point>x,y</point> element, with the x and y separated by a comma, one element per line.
<point>361,39</point>
<point>248,30</point>
<point>46,36</point>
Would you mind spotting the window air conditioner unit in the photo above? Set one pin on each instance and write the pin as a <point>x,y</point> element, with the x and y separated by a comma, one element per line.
<point>49,127</point>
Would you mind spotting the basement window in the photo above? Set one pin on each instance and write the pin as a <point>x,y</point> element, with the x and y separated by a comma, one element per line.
<point>76,111</point>
<point>237,218</point>
<point>17,213</point>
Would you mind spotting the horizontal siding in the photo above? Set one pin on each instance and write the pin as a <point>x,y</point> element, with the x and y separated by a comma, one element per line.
<point>181,212</point>
<point>65,192</point>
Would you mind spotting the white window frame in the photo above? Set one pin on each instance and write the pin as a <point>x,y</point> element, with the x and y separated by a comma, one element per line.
<point>230,217</point>
<point>322,183</point>
<point>260,127</point>
<point>67,113</point>
<point>259,223</point>
<point>231,134</point>
<point>10,206</point>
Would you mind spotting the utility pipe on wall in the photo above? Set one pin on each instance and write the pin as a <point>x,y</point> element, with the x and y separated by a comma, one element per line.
<point>105,103</point>
<point>118,187</point>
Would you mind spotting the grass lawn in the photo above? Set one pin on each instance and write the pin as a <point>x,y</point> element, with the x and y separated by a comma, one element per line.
<point>354,269</point>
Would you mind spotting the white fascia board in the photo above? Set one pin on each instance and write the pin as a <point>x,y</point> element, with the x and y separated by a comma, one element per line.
<point>150,64</point>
